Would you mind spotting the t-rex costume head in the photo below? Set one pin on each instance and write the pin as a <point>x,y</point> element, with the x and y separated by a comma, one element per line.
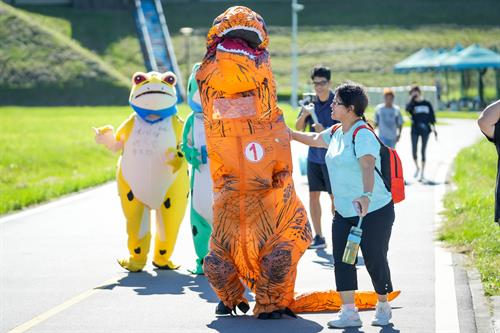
<point>237,68</point>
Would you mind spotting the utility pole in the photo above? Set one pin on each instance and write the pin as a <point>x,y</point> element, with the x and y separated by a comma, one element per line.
<point>296,7</point>
<point>187,32</point>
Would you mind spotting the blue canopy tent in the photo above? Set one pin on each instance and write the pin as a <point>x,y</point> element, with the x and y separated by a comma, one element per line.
<point>459,59</point>
<point>474,58</point>
<point>420,61</point>
<point>427,59</point>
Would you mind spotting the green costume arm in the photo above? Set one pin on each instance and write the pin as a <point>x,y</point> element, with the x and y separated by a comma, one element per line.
<point>191,153</point>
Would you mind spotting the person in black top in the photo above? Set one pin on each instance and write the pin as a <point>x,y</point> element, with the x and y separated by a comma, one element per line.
<point>423,123</point>
<point>317,173</point>
<point>490,126</point>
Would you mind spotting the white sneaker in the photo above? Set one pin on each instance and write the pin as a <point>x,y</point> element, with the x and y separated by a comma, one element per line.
<point>383,314</point>
<point>346,318</point>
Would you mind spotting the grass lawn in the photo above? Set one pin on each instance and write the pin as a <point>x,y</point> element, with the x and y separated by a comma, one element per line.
<point>470,209</point>
<point>48,152</point>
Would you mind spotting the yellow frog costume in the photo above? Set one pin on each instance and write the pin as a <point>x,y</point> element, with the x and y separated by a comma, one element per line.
<point>152,172</point>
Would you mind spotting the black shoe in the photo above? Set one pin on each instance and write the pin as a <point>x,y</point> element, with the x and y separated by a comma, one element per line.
<point>222,309</point>
<point>275,315</point>
<point>263,315</point>
<point>244,307</point>
<point>318,243</point>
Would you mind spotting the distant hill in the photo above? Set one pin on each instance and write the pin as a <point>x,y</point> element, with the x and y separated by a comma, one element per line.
<point>42,66</point>
<point>361,40</point>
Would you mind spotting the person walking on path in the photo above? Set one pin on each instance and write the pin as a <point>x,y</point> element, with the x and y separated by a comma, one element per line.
<point>423,122</point>
<point>388,119</point>
<point>490,126</point>
<point>317,173</point>
<point>354,182</point>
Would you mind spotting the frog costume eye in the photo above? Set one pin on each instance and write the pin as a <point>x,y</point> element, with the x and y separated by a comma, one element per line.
<point>169,79</point>
<point>139,78</point>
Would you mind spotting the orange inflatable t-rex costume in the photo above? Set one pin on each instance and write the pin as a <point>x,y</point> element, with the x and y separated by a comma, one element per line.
<point>260,227</point>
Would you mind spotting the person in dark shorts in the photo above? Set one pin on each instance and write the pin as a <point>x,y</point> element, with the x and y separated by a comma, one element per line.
<point>423,122</point>
<point>317,173</point>
<point>490,126</point>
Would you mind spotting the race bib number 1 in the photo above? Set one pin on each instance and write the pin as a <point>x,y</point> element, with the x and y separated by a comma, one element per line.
<point>254,152</point>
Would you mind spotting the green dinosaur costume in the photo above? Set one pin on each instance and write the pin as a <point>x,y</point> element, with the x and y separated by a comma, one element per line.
<point>195,150</point>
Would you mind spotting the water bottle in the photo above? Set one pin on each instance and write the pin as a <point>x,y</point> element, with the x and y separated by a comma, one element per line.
<point>310,108</point>
<point>353,241</point>
<point>352,246</point>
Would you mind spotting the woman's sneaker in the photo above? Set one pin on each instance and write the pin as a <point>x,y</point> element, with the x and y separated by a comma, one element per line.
<point>348,317</point>
<point>383,314</point>
<point>318,243</point>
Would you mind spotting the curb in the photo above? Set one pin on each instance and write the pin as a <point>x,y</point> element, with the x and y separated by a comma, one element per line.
<point>485,322</point>
<point>480,303</point>
<point>495,302</point>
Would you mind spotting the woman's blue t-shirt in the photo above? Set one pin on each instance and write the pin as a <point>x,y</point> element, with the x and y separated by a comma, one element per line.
<point>345,171</point>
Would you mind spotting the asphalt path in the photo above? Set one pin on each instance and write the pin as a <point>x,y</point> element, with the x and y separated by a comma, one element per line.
<point>58,269</point>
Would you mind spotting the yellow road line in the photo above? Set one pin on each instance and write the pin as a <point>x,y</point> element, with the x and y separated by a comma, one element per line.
<point>61,307</point>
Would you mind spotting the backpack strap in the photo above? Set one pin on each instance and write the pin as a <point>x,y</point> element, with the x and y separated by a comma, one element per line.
<point>381,144</point>
<point>335,127</point>
<point>368,128</point>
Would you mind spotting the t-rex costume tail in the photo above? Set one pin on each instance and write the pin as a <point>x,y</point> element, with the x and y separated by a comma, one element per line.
<point>260,227</point>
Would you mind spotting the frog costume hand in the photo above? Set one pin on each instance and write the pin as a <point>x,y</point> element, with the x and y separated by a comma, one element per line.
<point>152,172</point>
<point>195,150</point>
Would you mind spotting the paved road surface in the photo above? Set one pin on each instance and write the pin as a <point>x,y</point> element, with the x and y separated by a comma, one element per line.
<point>58,270</point>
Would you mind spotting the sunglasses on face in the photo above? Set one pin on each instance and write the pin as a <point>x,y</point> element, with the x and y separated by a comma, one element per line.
<point>320,83</point>
<point>335,103</point>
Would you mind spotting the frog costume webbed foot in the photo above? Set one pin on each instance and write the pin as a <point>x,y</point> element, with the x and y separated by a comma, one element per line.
<point>130,265</point>
<point>169,265</point>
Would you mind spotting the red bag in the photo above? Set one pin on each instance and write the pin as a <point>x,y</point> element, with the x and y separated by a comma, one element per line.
<point>391,167</point>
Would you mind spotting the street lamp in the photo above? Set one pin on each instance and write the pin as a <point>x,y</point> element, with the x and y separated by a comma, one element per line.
<point>296,7</point>
<point>187,32</point>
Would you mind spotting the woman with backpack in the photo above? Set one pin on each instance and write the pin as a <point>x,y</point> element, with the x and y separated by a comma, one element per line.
<point>359,191</point>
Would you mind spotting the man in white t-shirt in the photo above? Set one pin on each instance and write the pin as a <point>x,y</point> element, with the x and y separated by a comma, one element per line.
<point>388,119</point>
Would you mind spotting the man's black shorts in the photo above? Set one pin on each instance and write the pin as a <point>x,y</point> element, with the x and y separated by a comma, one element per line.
<point>317,176</point>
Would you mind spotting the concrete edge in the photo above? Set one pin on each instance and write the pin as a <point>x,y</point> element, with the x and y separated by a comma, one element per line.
<point>485,320</point>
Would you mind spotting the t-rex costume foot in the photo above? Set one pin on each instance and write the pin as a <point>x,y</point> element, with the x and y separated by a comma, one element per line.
<point>260,227</point>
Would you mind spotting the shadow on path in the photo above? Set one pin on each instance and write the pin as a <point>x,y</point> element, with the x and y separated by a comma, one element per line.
<point>385,329</point>
<point>328,262</point>
<point>252,325</point>
<point>163,283</point>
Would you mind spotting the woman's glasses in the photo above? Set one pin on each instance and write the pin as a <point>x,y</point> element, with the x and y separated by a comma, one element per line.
<point>334,103</point>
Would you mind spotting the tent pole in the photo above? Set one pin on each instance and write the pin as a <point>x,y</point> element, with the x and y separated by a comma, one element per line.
<point>447,86</point>
<point>481,87</point>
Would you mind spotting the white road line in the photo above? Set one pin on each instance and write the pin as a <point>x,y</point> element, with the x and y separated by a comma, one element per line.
<point>57,203</point>
<point>444,285</point>
<point>61,307</point>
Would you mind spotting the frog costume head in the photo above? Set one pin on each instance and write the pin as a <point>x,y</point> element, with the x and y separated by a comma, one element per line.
<point>153,96</point>
<point>193,92</point>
